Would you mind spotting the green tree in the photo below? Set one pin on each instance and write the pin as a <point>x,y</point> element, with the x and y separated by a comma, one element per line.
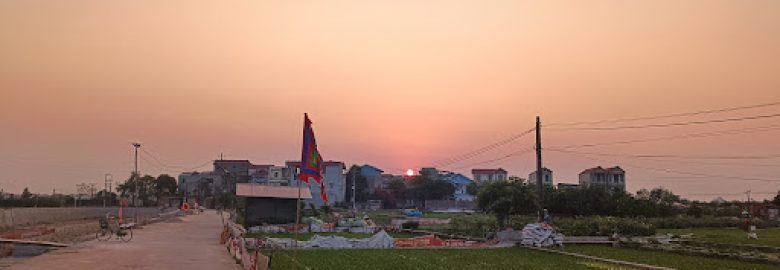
<point>425,188</point>
<point>776,200</point>
<point>26,194</point>
<point>503,199</point>
<point>472,188</point>
<point>166,185</point>
<point>138,189</point>
<point>397,188</point>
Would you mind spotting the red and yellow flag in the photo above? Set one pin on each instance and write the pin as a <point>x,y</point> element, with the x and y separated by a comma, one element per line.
<point>311,161</point>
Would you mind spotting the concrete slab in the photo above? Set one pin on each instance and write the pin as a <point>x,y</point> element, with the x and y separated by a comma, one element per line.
<point>190,242</point>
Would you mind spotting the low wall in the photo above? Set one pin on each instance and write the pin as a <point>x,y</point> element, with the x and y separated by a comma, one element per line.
<point>14,217</point>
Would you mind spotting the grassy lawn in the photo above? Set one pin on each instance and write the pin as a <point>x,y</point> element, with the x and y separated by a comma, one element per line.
<point>430,259</point>
<point>307,236</point>
<point>767,237</point>
<point>660,258</point>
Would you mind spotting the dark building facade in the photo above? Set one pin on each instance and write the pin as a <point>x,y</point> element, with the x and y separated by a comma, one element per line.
<point>270,204</point>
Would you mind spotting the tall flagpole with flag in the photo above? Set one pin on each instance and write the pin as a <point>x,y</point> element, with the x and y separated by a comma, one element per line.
<point>310,168</point>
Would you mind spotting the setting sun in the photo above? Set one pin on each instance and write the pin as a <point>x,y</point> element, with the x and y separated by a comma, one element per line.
<point>409,172</point>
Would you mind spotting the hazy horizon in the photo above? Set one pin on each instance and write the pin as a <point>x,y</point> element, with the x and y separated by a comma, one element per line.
<point>397,85</point>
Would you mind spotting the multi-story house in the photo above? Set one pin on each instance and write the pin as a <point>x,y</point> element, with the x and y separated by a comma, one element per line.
<point>333,176</point>
<point>387,179</point>
<point>199,184</point>
<point>547,177</point>
<point>609,178</point>
<point>431,173</point>
<point>259,174</point>
<point>460,182</point>
<point>489,175</point>
<point>232,172</point>
<point>373,177</point>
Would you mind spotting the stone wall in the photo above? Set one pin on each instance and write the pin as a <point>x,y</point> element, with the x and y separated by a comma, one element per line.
<point>15,217</point>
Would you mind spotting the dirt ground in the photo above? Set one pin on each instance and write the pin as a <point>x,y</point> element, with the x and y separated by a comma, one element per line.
<point>190,242</point>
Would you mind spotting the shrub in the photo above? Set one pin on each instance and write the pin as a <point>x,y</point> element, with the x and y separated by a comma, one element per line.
<point>475,226</point>
<point>605,226</point>
<point>682,222</point>
<point>410,225</point>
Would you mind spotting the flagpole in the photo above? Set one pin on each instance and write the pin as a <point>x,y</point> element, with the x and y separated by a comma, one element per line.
<point>297,222</point>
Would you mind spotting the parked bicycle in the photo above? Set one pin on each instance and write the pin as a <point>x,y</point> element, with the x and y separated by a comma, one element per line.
<point>122,231</point>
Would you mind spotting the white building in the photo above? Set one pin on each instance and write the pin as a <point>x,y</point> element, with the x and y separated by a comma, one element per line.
<point>489,175</point>
<point>547,177</point>
<point>609,178</point>
<point>334,178</point>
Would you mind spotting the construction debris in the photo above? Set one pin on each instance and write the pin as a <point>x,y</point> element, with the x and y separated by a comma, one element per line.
<point>541,235</point>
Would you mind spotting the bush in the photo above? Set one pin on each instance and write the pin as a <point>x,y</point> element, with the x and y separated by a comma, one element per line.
<point>410,225</point>
<point>683,222</point>
<point>605,226</point>
<point>475,226</point>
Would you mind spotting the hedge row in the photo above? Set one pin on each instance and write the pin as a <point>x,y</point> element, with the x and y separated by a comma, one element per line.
<point>479,226</point>
<point>683,222</point>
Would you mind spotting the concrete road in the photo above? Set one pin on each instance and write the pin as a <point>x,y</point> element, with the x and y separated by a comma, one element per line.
<point>186,243</point>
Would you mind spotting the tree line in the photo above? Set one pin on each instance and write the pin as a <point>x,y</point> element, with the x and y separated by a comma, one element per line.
<point>504,199</point>
<point>412,192</point>
<point>149,189</point>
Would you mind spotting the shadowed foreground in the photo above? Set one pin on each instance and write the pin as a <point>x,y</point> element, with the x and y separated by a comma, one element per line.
<point>191,242</point>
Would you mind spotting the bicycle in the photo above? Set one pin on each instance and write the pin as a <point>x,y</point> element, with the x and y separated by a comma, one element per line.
<point>123,232</point>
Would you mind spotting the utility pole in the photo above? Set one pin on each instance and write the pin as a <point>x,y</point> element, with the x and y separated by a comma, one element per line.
<point>135,183</point>
<point>106,187</point>
<point>354,184</point>
<point>539,182</point>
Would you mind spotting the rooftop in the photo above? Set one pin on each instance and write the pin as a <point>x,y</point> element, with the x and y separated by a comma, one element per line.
<point>603,170</point>
<point>480,171</point>
<point>263,191</point>
<point>232,161</point>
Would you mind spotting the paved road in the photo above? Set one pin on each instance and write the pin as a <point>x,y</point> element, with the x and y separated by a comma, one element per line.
<point>186,243</point>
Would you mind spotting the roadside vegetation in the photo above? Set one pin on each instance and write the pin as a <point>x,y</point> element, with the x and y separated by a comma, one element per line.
<point>666,259</point>
<point>767,237</point>
<point>430,259</point>
<point>307,236</point>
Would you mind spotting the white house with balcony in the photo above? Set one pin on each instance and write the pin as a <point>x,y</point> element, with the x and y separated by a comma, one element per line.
<point>489,175</point>
<point>609,178</point>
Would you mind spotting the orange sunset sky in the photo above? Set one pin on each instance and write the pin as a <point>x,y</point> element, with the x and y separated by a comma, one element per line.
<point>396,84</point>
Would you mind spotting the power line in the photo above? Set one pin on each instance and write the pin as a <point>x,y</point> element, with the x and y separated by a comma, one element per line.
<point>676,171</point>
<point>677,124</point>
<point>667,115</point>
<point>738,131</point>
<point>168,166</point>
<point>513,154</point>
<point>661,158</point>
<point>477,152</point>
<point>727,194</point>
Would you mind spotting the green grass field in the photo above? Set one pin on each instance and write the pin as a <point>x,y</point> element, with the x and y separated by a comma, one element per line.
<point>666,259</point>
<point>307,236</point>
<point>767,237</point>
<point>431,259</point>
<point>510,258</point>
